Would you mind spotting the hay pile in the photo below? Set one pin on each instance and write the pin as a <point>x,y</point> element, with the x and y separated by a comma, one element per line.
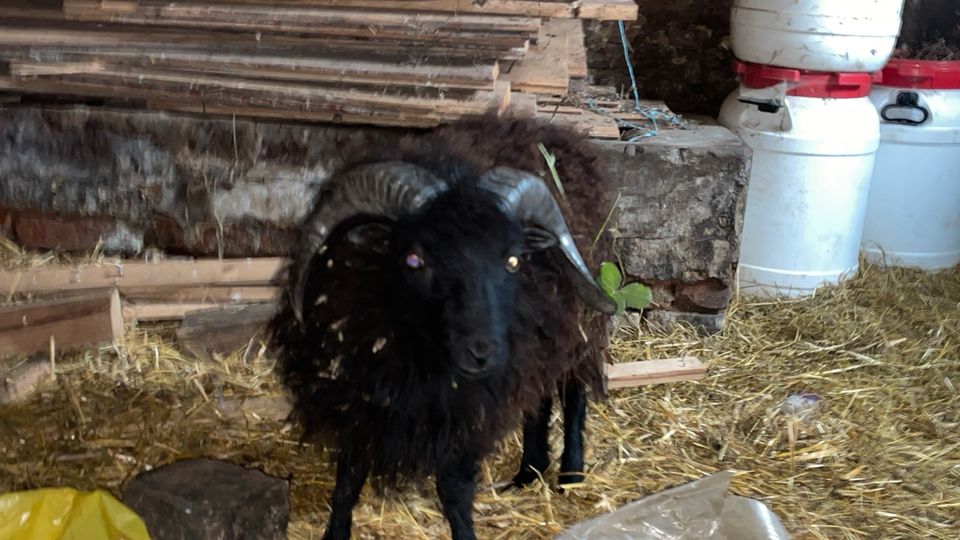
<point>879,458</point>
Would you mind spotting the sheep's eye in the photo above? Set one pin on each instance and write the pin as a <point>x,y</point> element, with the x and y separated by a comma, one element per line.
<point>513,263</point>
<point>414,261</point>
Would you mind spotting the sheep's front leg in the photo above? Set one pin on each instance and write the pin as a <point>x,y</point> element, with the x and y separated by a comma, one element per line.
<point>536,445</point>
<point>351,475</point>
<point>455,487</point>
<point>573,398</point>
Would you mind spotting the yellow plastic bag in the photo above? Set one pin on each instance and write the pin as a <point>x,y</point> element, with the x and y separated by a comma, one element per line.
<point>68,514</point>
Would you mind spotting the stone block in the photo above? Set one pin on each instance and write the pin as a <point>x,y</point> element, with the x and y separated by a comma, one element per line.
<point>204,498</point>
<point>704,323</point>
<point>681,211</point>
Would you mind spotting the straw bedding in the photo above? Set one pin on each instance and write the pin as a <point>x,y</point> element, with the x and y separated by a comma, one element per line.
<point>879,457</point>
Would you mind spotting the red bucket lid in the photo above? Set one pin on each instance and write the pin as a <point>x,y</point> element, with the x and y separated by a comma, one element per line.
<point>927,74</point>
<point>804,83</point>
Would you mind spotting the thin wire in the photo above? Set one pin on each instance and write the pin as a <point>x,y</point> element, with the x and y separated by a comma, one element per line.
<point>626,56</point>
<point>650,114</point>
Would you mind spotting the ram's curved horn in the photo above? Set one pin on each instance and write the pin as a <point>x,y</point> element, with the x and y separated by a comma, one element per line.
<point>388,189</point>
<point>527,197</point>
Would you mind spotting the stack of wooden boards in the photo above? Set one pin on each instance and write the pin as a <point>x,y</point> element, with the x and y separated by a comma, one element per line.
<point>221,306</point>
<point>414,63</point>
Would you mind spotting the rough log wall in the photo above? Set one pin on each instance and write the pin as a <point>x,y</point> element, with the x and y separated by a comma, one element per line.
<point>70,176</point>
<point>212,186</point>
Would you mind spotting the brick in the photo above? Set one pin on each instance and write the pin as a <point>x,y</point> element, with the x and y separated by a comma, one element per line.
<point>705,296</point>
<point>74,233</point>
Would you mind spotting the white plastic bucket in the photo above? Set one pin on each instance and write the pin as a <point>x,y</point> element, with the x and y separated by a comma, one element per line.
<point>913,214</point>
<point>814,137</point>
<point>819,35</point>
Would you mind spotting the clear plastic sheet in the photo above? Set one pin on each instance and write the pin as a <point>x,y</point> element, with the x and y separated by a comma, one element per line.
<point>701,509</point>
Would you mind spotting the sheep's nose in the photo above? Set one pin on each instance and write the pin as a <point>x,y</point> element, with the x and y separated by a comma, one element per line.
<point>481,349</point>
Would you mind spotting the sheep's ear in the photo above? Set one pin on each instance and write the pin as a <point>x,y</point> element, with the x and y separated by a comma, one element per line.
<point>372,236</point>
<point>538,239</point>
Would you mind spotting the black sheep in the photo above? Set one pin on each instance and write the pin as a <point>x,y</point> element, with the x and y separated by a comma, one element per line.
<point>436,297</point>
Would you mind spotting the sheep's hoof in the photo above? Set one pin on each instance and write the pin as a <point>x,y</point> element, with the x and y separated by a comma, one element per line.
<point>524,478</point>
<point>568,479</point>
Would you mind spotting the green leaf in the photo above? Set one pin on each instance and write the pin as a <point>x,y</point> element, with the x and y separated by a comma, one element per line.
<point>637,295</point>
<point>621,301</point>
<point>610,277</point>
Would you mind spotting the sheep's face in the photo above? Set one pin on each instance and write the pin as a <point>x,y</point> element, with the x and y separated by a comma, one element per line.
<point>459,264</point>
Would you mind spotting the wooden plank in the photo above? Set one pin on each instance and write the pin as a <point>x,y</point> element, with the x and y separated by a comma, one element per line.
<point>588,123</point>
<point>71,323</point>
<point>218,91</point>
<point>137,312</point>
<point>226,329</point>
<point>331,117</point>
<point>211,294</point>
<point>608,10</point>
<point>511,31</point>
<point>418,119</point>
<point>345,69</point>
<point>254,99</point>
<point>152,303</point>
<point>95,37</point>
<point>544,69</point>
<point>584,9</point>
<point>174,274</point>
<point>646,372</point>
<point>576,47</point>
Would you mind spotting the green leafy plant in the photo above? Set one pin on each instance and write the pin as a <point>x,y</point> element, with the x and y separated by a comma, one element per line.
<point>633,296</point>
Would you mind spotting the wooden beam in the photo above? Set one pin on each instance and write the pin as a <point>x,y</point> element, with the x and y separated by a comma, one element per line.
<point>327,21</point>
<point>608,10</point>
<point>153,303</point>
<point>70,323</point>
<point>353,68</point>
<point>93,38</point>
<point>137,312</point>
<point>588,123</point>
<point>226,329</point>
<point>626,10</point>
<point>209,294</point>
<point>173,274</point>
<point>576,47</point>
<point>544,68</point>
<point>646,372</point>
<point>239,92</point>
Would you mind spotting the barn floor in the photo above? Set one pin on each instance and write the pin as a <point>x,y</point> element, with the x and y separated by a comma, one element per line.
<point>879,459</point>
